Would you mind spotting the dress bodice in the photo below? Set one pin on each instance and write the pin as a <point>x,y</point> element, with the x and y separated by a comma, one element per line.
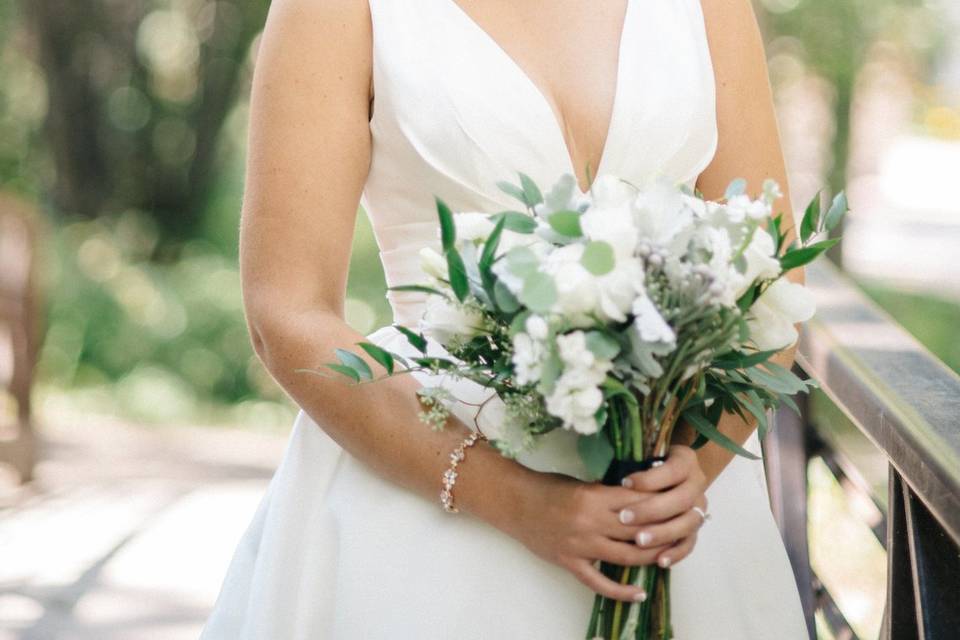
<point>454,114</point>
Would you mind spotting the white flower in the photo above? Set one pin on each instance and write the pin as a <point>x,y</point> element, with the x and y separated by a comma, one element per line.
<point>762,262</point>
<point>576,396</point>
<point>447,322</point>
<point>650,336</point>
<point>537,327</point>
<point>472,226</point>
<point>576,287</point>
<point>771,318</point>
<point>608,191</point>
<point>619,289</point>
<point>613,224</point>
<point>527,358</point>
<point>742,207</point>
<point>663,217</point>
<point>433,264</point>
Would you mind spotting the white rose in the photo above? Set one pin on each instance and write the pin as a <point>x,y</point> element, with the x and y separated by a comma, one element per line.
<point>771,318</point>
<point>446,322</point>
<point>762,262</point>
<point>663,217</point>
<point>615,225</point>
<point>576,287</point>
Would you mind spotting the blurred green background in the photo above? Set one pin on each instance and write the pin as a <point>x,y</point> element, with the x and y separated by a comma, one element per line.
<point>123,125</point>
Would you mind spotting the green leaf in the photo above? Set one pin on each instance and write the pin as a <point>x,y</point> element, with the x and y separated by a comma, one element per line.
<point>566,223</point>
<point>522,261</point>
<point>837,210</point>
<point>345,370</point>
<point>774,230</point>
<point>804,255</point>
<point>699,441</point>
<point>602,345</point>
<point>811,218</point>
<point>355,362</point>
<point>457,274</point>
<point>736,188</point>
<point>596,452</point>
<point>490,246</point>
<point>448,230</point>
<point>419,288</point>
<point>416,340</point>
<point>381,356</point>
<point>516,221</point>
<point>539,293</point>
<point>753,404</point>
<point>598,258</point>
<point>512,190</point>
<point>744,360</point>
<point>780,381</point>
<point>705,428</point>
<point>504,298</point>
<point>550,371</point>
<point>531,193</point>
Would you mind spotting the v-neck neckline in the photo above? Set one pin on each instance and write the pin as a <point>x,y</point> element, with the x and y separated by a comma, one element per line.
<point>541,96</point>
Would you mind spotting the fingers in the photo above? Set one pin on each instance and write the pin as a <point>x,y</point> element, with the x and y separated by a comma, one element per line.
<point>677,552</point>
<point>627,554</point>
<point>680,463</point>
<point>669,532</point>
<point>663,506</point>
<point>589,575</point>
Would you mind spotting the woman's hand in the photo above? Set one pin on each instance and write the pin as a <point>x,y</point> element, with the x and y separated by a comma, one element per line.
<point>573,524</point>
<point>663,512</point>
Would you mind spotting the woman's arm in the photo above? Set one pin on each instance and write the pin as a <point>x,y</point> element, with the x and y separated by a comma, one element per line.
<point>308,159</point>
<point>749,148</point>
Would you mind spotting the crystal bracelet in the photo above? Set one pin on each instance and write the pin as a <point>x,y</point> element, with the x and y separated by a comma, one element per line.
<point>450,475</point>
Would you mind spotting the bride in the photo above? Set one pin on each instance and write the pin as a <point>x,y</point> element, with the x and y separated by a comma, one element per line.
<point>388,103</point>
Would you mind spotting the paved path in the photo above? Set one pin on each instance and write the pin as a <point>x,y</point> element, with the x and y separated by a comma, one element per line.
<point>127,531</point>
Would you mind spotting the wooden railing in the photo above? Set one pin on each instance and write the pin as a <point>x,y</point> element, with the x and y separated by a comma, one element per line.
<point>18,335</point>
<point>906,404</point>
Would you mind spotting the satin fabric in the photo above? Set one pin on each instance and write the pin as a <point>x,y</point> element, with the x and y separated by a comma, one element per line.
<point>333,550</point>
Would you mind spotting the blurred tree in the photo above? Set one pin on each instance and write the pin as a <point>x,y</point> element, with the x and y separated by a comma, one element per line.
<point>138,91</point>
<point>836,38</point>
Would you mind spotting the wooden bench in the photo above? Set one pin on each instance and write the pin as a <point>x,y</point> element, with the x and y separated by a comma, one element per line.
<point>19,330</point>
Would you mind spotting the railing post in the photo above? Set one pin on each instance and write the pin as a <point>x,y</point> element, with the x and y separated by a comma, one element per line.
<point>785,454</point>
<point>923,570</point>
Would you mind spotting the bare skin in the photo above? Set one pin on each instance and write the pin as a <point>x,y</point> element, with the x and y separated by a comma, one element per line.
<point>308,158</point>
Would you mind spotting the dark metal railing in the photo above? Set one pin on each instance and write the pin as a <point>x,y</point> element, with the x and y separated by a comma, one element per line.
<point>907,404</point>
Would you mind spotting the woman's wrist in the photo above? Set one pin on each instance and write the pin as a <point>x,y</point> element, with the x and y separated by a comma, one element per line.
<point>493,487</point>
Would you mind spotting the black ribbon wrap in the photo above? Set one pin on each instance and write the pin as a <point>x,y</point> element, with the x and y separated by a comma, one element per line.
<point>620,469</point>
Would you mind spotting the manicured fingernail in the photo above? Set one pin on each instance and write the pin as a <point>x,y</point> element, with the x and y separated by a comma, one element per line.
<point>627,516</point>
<point>665,562</point>
<point>640,596</point>
<point>644,538</point>
<point>627,482</point>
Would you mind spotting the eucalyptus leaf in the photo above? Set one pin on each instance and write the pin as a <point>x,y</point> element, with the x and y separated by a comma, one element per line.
<point>601,345</point>
<point>737,187</point>
<point>837,210</point>
<point>355,362</point>
<point>539,292</point>
<point>598,258</point>
<point>531,193</point>
<point>596,452</point>
<point>566,223</point>
<point>522,261</point>
<point>506,301</point>
<point>516,221</point>
<point>512,190</point>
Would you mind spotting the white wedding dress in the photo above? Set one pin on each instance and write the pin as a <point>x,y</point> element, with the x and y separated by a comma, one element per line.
<point>334,551</point>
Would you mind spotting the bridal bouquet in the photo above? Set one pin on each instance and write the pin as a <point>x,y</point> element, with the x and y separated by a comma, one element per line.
<point>614,314</point>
